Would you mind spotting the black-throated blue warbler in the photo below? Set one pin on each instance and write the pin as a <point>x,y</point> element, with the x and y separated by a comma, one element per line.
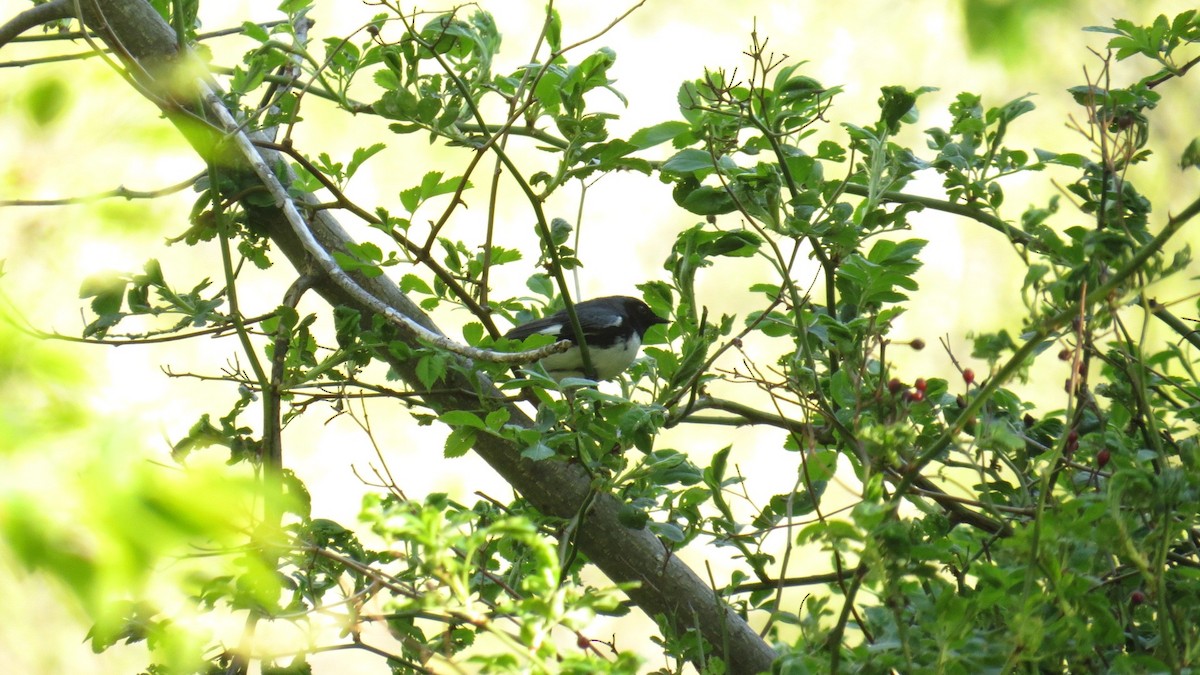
<point>613,328</point>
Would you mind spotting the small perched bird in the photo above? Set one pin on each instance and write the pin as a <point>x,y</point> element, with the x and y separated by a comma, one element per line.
<point>613,328</point>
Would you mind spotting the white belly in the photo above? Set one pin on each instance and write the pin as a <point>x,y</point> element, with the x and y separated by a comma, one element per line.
<point>608,362</point>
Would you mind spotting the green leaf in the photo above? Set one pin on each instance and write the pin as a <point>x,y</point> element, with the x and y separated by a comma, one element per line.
<point>689,161</point>
<point>554,30</point>
<point>361,155</point>
<point>1015,108</point>
<point>735,244</point>
<point>411,282</point>
<point>107,290</point>
<point>668,531</point>
<point>411,198</point>
<point>632,517</point>
<point>1070,159</point>
<point>255,31</point>
<point>430,369</point>
<point>894,105</point>
<point>368,251</point>
<point>351,263</point>
<point>690,98</point>
<point>549,89</point>
<point>460,440</point>
<point>714,475</point>
<point>462,418</point>
<point>707,201</point>
<point>842,389</point>
<point>103,283</point>
<point>293,6</point>
<point>431,186</point>
<point>473,333</point>
<point>497,418</point>
<point>1191,155</point>
<point>831,151</point>
<point>541,284</point>
<point>152,274</point>
<point>659,133</point>
<point>667,467</point>
<point>284,316</point>
<point>537,452</point>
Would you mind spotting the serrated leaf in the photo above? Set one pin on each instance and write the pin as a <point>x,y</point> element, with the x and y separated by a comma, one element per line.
<point>497,418</point>
<point>541,284</point>
<point>459,442</point>
<point>431,185</point>
<point>369,251</point>
<point>461,418</point>
<point>361,155</point>
<point>411,282</point>
<point>430,369</point>
<point>473,333</point>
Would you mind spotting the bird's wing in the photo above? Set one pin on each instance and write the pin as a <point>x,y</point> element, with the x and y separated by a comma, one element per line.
<point>593,321</point>
<point>550,325</point>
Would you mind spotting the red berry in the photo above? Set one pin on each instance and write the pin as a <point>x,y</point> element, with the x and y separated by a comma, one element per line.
<point>1064,355</point>
<point>917,344</point>
<point>968,376</point>
<point>1137,598</point>
<point>920,384</point>
<point>583,642</point>
<point>1072,443</point>
<point>895,385</point>
<point>916,396</point>
<point>1102,457</point>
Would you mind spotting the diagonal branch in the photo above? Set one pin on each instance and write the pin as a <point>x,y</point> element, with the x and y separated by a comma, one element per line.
<point>664,584</point>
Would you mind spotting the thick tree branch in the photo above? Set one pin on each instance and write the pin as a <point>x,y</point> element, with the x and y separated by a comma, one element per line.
<point>35,16</point>
<point>666,586</point>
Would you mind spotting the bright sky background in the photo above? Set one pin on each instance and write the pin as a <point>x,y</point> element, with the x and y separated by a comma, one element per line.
<point>108,136</point>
